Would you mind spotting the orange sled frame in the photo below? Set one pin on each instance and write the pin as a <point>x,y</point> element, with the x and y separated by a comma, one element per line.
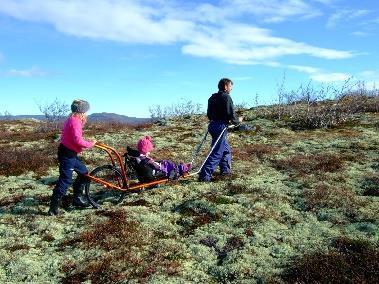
<point>112,182</point>
<point>117,176</point>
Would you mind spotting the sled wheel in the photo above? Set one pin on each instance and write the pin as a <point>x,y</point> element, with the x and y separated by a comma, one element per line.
<point>98,194</point>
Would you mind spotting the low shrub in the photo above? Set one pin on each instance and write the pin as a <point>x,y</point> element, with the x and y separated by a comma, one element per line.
<point>25,131</point>
<point>324,195</point>
<point>11,200</point>
<point>196,213</point>
<point>303,164</point>
<point>96,128</point>
<point>128,252</point>
<point>349,261</point>
<point>17,161</point>
<point>370,186</point>
<point>258,150</point>
<point>311,107</point>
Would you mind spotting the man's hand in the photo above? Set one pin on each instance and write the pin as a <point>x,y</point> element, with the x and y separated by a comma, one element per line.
<point>240,119</point>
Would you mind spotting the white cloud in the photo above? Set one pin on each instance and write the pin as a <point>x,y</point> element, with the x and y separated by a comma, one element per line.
<point>360,34</point>
<point>123,21</point>
<point>326,2</point>
<point>368,74</point>
<point>242,44</point>
<point>372,85</point>
<point>345,16</point>
<point>370,78</point>
<point>204,30</point>
<point>305,69</point>
<point>319,75</point>
<point>330,77</point>
<point>32,72</point>
<point>274,10</point>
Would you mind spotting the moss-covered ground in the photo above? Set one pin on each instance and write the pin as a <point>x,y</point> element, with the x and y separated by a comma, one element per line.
<point>301,206</point>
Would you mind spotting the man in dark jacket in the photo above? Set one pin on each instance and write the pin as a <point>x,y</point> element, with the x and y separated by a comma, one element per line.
<point>220,113</point>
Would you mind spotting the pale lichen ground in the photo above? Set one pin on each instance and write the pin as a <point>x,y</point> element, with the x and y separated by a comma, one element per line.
<point>247,228</point>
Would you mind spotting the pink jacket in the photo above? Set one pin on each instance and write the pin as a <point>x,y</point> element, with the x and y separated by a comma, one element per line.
<point>72,135</point>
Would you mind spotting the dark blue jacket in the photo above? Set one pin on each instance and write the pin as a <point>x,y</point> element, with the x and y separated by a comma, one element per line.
<point>221,108</point>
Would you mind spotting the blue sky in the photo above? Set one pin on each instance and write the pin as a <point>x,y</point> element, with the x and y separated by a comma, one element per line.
<point>125,56</point>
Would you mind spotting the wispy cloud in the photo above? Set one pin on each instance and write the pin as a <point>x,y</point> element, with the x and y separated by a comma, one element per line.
<point>369,74</point>
<point>330,77</point>
<point>370,77</point>
<point>326,2</point>
<point>242,44</point>
<point>122,21</point>
<point>31,72</point>
<point>275,10</point>
<point>305,69</point>
<point>345,16</point>
<point>203,30</point>
<point>360,34</point>
<point>320,75</point>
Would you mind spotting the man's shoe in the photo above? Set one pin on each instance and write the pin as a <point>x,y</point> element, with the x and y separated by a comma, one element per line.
<point>78,202</point>
<point>204,179</point>
<point>52,212</point>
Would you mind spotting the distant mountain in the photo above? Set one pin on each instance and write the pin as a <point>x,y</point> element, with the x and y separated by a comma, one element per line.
<point>95,117</point>
<point>22,116</point>
<point>113,117</point>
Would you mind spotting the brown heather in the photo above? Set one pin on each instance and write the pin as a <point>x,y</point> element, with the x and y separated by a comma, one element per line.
<point>303,164</point>
<point>259,151</point>
<point>16,161</point>
<point>350,261</point>
<point>324,195</point>
<point>122,243</point>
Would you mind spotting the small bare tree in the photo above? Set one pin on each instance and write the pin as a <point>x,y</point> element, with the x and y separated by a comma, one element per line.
<point>7,115</point>
<point>157,112</point>
<point>180,109</point>
<point>54,112</point>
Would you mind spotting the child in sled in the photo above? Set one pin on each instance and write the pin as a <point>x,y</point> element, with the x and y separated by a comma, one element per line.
<point>148,169</point>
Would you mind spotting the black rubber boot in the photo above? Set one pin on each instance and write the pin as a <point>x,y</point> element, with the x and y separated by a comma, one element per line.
<point>54,204</point>
<point>78,185</point>
<point>79,202</point>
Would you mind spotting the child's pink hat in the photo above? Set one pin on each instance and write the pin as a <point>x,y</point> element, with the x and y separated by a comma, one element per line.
<point>145,144</point>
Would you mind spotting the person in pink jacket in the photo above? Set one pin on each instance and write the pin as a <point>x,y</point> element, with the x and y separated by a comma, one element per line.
<point>72,143</point>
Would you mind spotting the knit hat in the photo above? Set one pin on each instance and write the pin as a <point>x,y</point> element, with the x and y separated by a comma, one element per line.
<point>145,144</point>
<point>80,106</point>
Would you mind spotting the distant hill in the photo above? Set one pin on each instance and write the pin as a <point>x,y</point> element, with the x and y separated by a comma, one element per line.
<point>22,116</point>
<point>95,117</point>
<point>113,117</point>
